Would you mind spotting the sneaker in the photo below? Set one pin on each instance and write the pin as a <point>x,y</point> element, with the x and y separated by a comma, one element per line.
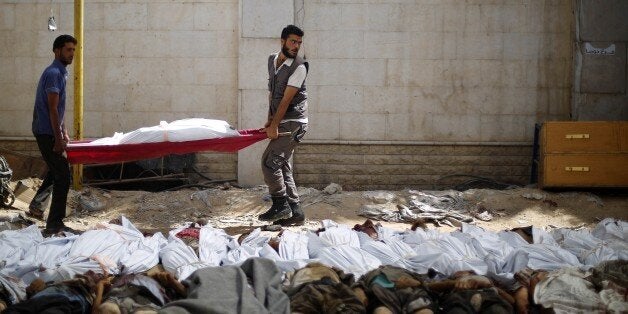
<point>35,213</point>
<point>70,230</point>
<point>47,232</point>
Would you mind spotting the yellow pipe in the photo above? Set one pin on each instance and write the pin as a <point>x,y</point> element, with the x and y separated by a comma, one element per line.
<point>77,171</point>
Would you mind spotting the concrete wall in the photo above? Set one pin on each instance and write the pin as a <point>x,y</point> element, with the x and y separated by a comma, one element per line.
<point>145,61</point>
<point>394,74</point>
<point>478,71</point>
<point>601,84</point>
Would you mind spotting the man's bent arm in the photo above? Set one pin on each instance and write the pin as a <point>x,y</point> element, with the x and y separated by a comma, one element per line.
<point>269,117</point>
<point>288,94</point>
<point>53,102</point>
<point>64,130</point>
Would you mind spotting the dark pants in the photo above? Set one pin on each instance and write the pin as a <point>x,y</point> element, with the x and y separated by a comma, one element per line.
<point>59,175</point>
<point>43,193</point>
<point>277,161</point>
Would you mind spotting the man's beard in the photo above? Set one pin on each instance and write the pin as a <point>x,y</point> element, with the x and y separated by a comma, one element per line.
<point>65,60</point>
<point>287,52</point>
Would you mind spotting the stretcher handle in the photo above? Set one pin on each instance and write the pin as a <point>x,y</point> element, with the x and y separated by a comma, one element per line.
<point>280,133</point>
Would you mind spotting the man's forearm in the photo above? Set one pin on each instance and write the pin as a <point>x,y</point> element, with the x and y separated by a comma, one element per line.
<point>64,131</point>
<point>55,122</point>
<point>57,129</point>
<point>269,117</point>
<point>281,111</point>
<point>288,95</point>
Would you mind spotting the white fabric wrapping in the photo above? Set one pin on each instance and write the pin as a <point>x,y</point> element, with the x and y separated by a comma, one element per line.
<point>539,256</point>
<point>240,254</point>
<point>251,246</point>
<point>388,252</point>
<point>142,253</point>
<point>512,238</point>
<point>105,250</point>
<point>566,291</point>
<point>349,259</point>
<point>285,265</point>
<point>14,288</point>
<point>540,236</point>
<point>379,250</point>
<point>123,248</point>
<point>180,259</point>
<point>14,244</point>
<point>610,228</point>
<point>213,245</point>
<point>175,131</point>
<point>293,252</point>
<point>451,254</point>
<point>493,245</point>
<point>293,246</point>
<point>340,235</point>
<point>103,247</point>
<point>47,254</point>
<point>589,249</point>
<point>339,246</point>
<point>96,250</point>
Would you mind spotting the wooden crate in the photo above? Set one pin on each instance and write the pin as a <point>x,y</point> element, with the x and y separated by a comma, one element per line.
<point>584,154</point>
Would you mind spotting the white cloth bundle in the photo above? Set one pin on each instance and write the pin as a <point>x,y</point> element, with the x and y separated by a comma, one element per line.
<point>175,131</point>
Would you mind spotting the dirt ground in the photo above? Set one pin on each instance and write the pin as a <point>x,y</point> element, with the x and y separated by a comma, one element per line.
<point>235,209</point>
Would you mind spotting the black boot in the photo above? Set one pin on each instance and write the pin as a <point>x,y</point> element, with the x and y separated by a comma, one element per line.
<point>279,210</point>
<point>297,218</point>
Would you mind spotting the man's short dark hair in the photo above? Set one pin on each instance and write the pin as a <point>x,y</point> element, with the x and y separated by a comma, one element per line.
<point>61,40</point>
<point>291,30</point>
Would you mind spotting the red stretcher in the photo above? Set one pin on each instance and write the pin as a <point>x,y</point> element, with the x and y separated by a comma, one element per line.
<point>83,152</point>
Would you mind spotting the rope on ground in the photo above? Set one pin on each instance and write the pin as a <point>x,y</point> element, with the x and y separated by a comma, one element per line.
<point>477,182</point>
<point>200,174</point>
<point>204,185</point>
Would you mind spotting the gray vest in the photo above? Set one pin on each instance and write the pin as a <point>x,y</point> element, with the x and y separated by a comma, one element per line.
<point>277,85</point>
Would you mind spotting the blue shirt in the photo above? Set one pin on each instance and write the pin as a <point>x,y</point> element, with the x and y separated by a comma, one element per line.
<point>52,81</point>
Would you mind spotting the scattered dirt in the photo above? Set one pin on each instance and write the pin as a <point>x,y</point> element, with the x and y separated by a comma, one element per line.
<point>235,209</point>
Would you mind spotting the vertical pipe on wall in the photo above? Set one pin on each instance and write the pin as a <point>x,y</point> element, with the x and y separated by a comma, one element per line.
<point>576,96</point>
<point>77,171</point>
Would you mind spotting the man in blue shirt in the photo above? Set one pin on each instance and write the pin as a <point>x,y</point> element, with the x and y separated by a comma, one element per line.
<point>51,134</point>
